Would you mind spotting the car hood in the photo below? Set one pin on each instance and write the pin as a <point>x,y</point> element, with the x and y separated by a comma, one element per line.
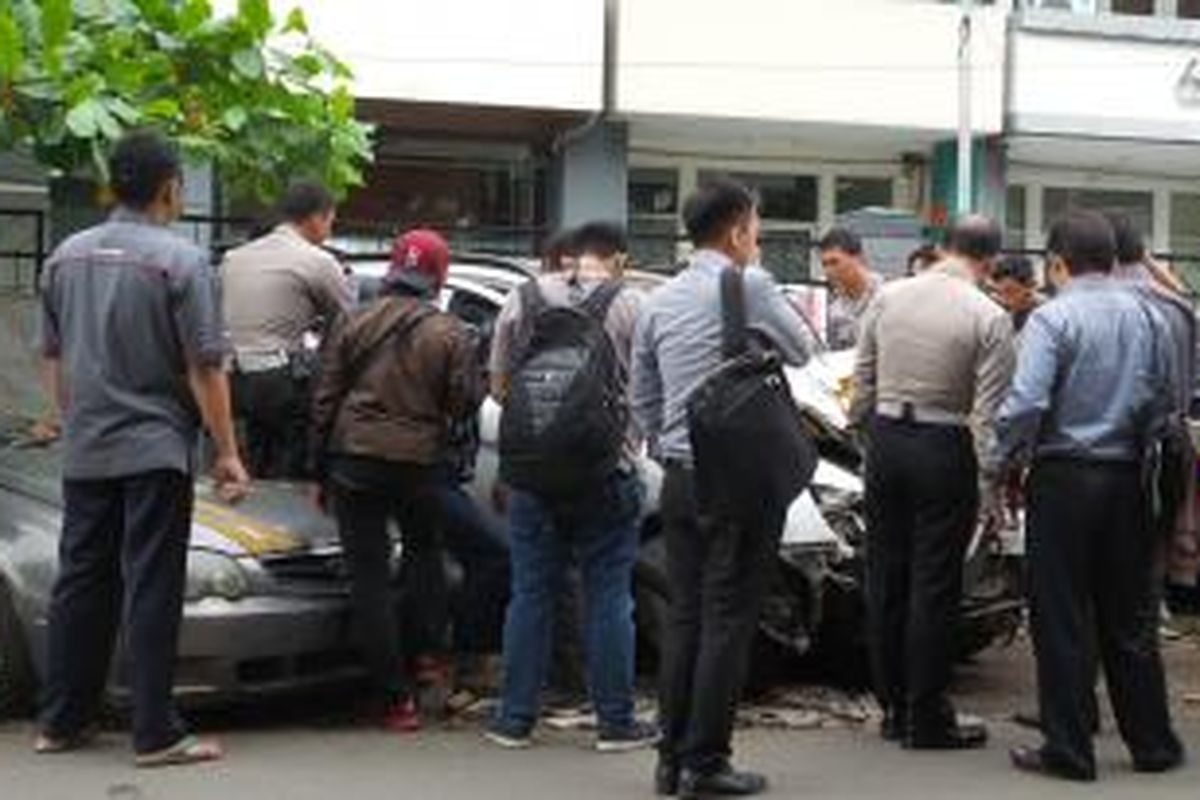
<point>275,519</point>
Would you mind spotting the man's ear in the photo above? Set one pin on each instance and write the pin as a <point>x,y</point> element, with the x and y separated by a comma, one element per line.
<point>1057,272</point>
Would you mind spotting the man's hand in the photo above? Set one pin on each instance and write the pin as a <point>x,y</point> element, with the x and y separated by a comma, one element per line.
<point>231,478</point>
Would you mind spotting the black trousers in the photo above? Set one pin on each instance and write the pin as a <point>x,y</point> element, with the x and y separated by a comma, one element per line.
<point>122,558</point>
<point>922,504</point>
<point>367,494</point>
<point>273,407</point>
<point>717,572</point>
<point>1095,576</point>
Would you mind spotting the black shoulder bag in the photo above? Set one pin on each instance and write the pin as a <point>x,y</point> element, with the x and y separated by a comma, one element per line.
<point>749,443</point>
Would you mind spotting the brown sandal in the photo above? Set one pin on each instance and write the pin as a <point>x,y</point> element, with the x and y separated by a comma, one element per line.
<point>188,750</point>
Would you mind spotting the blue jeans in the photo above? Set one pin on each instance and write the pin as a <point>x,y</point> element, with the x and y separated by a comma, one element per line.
<point>601,532</point>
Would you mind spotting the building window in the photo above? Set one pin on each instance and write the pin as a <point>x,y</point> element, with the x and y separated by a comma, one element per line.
<point>1138,206</point>
<point>1188,9</point>
<point>1014,218</point>
<point>856,193</point>
<point>1074,6</point>
<point>1141,8</point>
<point>783,198</point>
<point>1185,225</point>
<point>653,192</point>
<point>787,254</point>
<point>1185,237</point>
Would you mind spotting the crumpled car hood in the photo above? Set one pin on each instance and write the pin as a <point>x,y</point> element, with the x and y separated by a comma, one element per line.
<point>276,519</point>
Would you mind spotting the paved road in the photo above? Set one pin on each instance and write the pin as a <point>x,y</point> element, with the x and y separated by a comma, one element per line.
<point>304,764</point>
<point>311,753</point>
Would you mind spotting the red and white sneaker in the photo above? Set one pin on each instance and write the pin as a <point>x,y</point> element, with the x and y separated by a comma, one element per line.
<point>403,717</point>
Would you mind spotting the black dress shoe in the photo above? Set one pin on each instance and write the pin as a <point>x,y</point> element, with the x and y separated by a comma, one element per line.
<point>1159,763</point>
<point>963,736</point>
<point>725,782</point>
<point>666,779</point>
<point>1032,759</point>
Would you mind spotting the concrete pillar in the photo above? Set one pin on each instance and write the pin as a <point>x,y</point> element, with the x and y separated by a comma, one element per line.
<point>590,177</point>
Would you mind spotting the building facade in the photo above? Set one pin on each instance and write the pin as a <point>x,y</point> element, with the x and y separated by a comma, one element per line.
<point>502,121</point>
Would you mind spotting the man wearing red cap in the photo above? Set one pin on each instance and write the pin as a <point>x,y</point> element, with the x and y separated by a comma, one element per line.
<point>393,377</point>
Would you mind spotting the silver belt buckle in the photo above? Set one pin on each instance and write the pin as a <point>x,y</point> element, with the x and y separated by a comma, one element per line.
<point>261,361</point>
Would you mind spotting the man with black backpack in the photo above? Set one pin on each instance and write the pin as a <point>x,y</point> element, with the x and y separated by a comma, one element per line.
<point>560,361</point>
<point>723,517</point>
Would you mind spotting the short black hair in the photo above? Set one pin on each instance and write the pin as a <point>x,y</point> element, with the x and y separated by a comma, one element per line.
<point>716,207</point>
<point>842,239</point>
<point>303,199</point>
<point>922,258</point>
<point>1131,246</point>
<point>559,246</point>
<point>142,162</point>
<point>1085,241</point>
<point>975,237</point>
<point>600,239</point>
<point>1016,268</point>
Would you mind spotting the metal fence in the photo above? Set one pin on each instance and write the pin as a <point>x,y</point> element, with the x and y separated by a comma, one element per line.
<point>23,249</point>
<point>25,245</point>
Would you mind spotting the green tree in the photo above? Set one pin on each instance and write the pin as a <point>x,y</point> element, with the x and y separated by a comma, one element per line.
<point>257,97</point>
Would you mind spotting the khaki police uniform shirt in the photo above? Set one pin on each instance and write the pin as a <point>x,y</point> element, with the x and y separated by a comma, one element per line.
<point>276,288</point>
<point>939,344</point>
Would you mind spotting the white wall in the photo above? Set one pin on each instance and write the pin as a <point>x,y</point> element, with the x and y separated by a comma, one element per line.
<point>1065,84</point>
<point>857,62</point>
<point>536,53</point>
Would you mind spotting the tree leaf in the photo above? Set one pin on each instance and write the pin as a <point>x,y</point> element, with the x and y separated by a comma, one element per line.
<point>106,123</point>
<point>82,121</point>
<point>124,112</point>
<point>164,108</point>
<point>12,47</point>
<point>192,15</point>
<point>257,16</point>
<point>56,24</point>
<point>235,118</point>
<point>249,63</point>
<point>296,22</point>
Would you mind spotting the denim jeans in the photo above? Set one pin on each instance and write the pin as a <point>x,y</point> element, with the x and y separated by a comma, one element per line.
<point>601,532</point>
<point>480,547</point>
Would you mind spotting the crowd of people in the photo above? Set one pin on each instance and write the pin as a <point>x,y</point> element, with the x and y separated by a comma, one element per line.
<point>1084,412</point>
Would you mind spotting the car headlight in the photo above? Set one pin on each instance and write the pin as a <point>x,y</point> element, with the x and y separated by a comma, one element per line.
<point>212,574</point>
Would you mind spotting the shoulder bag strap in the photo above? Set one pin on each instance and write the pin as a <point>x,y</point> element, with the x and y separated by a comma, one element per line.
<point>531,303</point>
<point>733,313</point>
<point>365,357</point>
<point>597,304</point>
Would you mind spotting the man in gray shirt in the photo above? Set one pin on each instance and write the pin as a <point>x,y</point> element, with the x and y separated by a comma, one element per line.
<point>854,285</point>
<point>934,360</point>
<point>134,349</point>
<point>717,568</point>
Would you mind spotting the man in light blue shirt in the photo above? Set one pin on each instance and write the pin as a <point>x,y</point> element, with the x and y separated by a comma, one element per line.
<point>1091,398</point>
<point>717,568</point>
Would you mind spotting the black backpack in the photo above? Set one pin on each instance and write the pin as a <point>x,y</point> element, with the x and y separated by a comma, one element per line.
<point>564,416</point>
<point>749,442</point>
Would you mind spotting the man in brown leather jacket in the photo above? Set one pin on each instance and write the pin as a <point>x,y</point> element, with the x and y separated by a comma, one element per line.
<point>393,377</point>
